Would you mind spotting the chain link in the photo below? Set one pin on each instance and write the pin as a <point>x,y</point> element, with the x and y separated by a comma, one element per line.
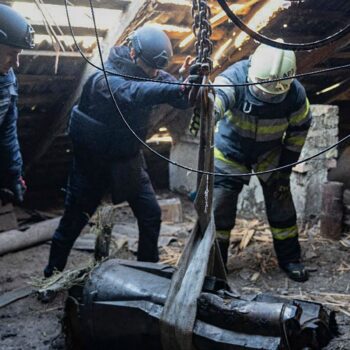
<point>202,31</point>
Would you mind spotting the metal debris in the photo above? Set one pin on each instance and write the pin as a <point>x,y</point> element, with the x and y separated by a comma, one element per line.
<point>121,303</point>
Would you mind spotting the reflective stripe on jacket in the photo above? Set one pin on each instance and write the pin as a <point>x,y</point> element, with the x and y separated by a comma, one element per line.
<point>260,134</point>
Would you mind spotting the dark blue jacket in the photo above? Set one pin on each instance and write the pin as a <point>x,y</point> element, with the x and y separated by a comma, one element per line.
<point>10,155</point>
<point>258,134</point>
<point>95,123</point>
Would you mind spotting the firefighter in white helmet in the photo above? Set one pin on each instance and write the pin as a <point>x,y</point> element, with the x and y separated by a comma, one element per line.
<point>261,127</point>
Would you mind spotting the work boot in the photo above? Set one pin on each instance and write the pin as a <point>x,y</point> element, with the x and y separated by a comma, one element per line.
<point>57,259</point>
<point>295,271</point>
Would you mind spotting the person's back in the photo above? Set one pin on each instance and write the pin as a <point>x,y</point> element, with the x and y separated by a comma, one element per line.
<point>107,134</point>
<point>106,153</point>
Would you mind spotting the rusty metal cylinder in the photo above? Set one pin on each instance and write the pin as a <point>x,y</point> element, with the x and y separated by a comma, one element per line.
<point>332,210</point>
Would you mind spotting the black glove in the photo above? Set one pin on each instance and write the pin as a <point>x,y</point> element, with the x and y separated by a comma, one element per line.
<point>195,77</point>
<point>14,192</point>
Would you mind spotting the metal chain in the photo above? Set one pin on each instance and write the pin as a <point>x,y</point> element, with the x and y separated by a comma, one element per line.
<point>202,31</point>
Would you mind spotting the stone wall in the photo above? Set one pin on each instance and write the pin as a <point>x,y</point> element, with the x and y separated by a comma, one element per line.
<point>306,180</point>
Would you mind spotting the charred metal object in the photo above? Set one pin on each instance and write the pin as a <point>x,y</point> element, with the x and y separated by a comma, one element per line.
<point>120,304</point>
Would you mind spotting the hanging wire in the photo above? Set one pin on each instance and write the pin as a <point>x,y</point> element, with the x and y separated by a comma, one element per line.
<point>132,77</point>
<point>280,45</point>
<point>160,155</point>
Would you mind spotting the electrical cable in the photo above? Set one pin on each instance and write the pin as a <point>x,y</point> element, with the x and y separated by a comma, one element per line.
<point>132,77</point>
<point>169,160</point>
<point>280,45</point>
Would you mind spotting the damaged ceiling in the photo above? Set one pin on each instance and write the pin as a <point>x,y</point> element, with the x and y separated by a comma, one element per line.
<point>50,77</point>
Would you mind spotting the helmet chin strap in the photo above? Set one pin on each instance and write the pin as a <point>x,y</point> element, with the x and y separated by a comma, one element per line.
<point>265,97</point>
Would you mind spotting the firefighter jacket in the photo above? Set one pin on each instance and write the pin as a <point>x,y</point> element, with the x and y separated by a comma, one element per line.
<point>10,155</point>
<point>257,135</point>
<point>95,123</point>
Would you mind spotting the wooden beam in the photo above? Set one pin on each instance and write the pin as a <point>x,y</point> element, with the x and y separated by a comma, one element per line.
<point>172,5</point>
<point>59,122</point>
<point>78,31</point>
<point>309,59</point>
<point>47,53</point>
<point>332,95</point>
<point>106,4</point>
<point>173,31</point>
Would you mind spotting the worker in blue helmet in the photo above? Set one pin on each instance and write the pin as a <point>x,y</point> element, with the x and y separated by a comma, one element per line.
<point>15,35</point>
<point>106,153</point>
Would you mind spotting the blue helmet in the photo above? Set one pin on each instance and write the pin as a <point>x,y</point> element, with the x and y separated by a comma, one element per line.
<point>152,46</point>
<point>15,31</point>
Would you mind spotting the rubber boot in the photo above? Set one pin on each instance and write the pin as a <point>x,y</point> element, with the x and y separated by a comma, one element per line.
<point>288,253</point>
<point>295,271</point>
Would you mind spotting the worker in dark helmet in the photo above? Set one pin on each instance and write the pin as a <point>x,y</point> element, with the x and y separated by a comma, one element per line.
<point>106,153</point>
<point>15,34</point>
<point>261,127</point>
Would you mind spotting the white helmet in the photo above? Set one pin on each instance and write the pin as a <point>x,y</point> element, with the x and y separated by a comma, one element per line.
<point>268,63</point>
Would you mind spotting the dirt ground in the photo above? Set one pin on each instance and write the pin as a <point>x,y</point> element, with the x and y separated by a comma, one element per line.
<point>30,324</point>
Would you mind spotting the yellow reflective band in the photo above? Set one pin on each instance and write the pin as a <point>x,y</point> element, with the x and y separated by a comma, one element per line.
<point>245,125</point>
<point>220,156</point>
<point>223,234</point>
<point>298,116</point>
<point>272,129</point>
<point>295,141</point>
<point>284,233</point>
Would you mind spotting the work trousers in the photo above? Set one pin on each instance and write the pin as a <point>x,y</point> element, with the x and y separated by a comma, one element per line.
<point>89,180</point>
<point>280,212</point>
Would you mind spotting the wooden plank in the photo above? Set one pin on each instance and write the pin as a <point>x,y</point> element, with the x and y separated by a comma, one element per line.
<point>60,121</point>
<point>48,53</point>
<point>332,95</point>
<point>78,31</point>
<point>14,295</point>
<point>105,4</point>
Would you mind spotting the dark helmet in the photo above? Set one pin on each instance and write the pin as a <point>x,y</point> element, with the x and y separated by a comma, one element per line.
<point>15,31</point>
<point>152,46</point>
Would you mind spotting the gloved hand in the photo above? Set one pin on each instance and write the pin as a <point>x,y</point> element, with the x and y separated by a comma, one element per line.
<point>185,68</point>
<point>195,77</point>
<point>19,188</point>
<point>14,191</point>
